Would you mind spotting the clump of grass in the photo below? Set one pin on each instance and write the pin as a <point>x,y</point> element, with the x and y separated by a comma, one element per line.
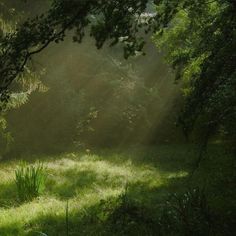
<point>30,181</point>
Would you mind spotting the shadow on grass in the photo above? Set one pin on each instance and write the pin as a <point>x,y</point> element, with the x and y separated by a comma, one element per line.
<point>156,196</point>
<point>8,195</point>
<point>106,216</point>
<point>92,220</point>
<point>137,217</point>
<point>98,221</point>
<point>167,158</point>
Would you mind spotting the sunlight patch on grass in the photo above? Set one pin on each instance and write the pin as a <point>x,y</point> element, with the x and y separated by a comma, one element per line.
<point>83,180</point>
<point>179,174</point>
<point>6,173</point>
<point>25,213</point>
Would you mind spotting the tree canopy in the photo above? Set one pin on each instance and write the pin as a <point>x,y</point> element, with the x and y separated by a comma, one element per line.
<point>198,38</point>
<point>200,45</point>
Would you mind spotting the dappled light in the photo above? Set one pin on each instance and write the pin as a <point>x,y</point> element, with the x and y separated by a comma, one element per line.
<point>117,118</point>
<point>84,180</point>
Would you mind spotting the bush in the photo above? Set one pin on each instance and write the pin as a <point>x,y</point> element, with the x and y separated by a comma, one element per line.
<point>30,180</point>
<point>125,216</point>
<point>186,214</point>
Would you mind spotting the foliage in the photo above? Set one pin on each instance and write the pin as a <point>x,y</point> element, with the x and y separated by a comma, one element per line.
<point>194,34</point>
<point>186,214</point>
<point>194,44</point>
<point>90,107</point>
<point>116,121</point>
<point>123,101</point>
<point>26,83</point>
<point>125,216</point>
<point>108,20</point>
<point>30,181</point>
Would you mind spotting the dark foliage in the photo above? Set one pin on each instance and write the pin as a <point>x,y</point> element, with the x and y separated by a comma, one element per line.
<point>211,100</point>
<point>186,214</point>
<point>125,216</point>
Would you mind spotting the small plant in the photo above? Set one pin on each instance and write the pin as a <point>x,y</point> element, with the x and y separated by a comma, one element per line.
<point>125,216</point>
<point>30,180</point>
<point>186,214</point>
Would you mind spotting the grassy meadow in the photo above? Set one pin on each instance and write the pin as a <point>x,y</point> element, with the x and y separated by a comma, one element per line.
<point>84,192</point>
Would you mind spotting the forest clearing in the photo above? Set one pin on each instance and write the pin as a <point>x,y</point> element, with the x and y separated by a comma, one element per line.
<point>117,117</point>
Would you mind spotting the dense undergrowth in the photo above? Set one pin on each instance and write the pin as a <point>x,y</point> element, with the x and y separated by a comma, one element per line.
<point>140,191</point>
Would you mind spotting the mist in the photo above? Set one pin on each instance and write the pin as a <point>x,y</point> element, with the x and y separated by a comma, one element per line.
<point>84,81</point>
<point>92,143</point>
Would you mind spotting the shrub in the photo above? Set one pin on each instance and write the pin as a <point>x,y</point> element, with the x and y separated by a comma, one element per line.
<point>30,180</point>
<point>186,214</point>
<point>125,216</point>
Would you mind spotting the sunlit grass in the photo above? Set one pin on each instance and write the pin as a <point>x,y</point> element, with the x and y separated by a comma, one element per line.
<point>84,180</point>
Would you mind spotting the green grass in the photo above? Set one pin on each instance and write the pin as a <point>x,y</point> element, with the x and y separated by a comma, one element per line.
<point>29,180</point>
<point>85,181</point>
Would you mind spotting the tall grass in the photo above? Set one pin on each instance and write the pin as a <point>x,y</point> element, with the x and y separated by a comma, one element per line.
<point>30,180</point>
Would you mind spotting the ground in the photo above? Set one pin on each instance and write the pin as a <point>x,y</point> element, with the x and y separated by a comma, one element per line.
<point>85,181</point>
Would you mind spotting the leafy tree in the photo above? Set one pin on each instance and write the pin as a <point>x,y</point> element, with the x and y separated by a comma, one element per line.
<point>199,32</point>
<point>200,45</point>
<point>109,20</point>
<point>87,105</point>
<point>25,83</point>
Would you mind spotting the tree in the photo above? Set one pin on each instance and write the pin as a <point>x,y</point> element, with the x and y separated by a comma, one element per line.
<point>108,20</point>
<point>25,83</point>
<point>200,45</point>
<point>202,53</point>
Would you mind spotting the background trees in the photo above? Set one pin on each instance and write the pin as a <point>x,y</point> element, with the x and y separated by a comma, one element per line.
<point>97,100</point>
<point>200,45</point>
<point>25,84</point>
<point>193,33</point>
